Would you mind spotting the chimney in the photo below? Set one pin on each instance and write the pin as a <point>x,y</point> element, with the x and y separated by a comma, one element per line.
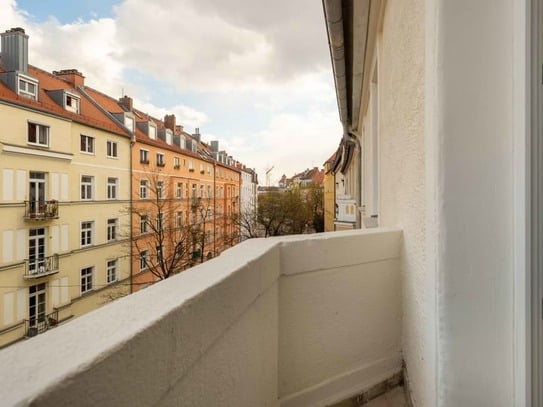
<point>126,102</point>
<point>72,76</point>
<point>169,122</point>
<point>197,135</point>
<point>178,129</point>
<point>15,50</point>
<point>215,146</point>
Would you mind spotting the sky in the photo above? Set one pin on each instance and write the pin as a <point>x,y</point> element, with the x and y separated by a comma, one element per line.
<point>253,74</point>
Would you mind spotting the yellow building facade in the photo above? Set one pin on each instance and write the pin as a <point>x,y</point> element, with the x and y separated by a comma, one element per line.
<point>64,184</point>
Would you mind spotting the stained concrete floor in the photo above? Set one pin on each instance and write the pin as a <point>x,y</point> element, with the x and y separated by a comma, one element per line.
<point>393,398</point>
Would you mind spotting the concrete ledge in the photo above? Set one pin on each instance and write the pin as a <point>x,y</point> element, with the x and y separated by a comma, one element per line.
<point>226,331</point>
<point>346,385</point>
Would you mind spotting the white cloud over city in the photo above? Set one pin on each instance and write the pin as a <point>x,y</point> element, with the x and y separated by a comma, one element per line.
<point>264,57</point>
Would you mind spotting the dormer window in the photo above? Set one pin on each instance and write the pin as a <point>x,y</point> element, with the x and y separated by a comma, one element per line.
<point>129,123</point>
<point>27,87</point>
<point>169,136</point>
<point>152,132</point>
<point>71,102</point>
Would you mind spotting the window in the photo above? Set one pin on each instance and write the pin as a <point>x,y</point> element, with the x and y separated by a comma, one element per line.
<point>193,190</point>
<point>160,160</point>
<point>36,303</point>
<point>111,148</point>
<point>86,233</point>
<point>208,170</point>
<point>87,184</point>
<point>87,144</point>
<point>28,89</point>
<point>144,224</point>
<point>159,222</point>
<point>112,188</point>
<point>179,219</point>
<point>111,271</point>
<point>209,191</point>
<point>86,279</point>
<point>129,123</point>
<point>159,189</point>
<point>208,236</point>
<point>191,166</point>
<point>144,156</point>
<point>72,103</point>
<point>144,186</point>
<point>152,132</point>
<point>201,168</point>
<point>179,190</point>
<point>38,134</point>
<point>112,226</point>
<point>201,191</point>
<point>144,260</point>
<point>176,162</point>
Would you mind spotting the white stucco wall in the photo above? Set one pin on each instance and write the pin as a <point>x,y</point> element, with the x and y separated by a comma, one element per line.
<point>403,194</point>
<point>295,321</point>
<point>475,140</point>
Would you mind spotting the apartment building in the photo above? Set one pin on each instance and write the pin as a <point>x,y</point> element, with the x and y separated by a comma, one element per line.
<point>64,183</point>
<point>183,194</point>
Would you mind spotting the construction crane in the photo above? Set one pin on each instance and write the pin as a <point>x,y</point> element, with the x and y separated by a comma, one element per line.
<point>268,175</point>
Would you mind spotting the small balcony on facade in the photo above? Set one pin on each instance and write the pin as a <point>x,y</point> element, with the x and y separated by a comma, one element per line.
<point>308,320</point>
<point>42,267</point>
<point>41,210</point>
<point>345,211</point>
<point>40,324</point>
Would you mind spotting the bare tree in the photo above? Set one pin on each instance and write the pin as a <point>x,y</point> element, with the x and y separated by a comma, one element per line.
<point>164,245</point>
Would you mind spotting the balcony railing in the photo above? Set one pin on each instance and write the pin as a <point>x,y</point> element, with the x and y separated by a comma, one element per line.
<point>37,268</point>
<point>39,325</point>
<point>307,320</point>
<point>41,210</point>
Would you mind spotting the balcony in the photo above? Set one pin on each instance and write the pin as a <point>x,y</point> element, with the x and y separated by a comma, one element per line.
<point>40,325</point>
<point>306,320</point>
<point>41,210</point>
<point>345,210</point>
<point>41,267</point>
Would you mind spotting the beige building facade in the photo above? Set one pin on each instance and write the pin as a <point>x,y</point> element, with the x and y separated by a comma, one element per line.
<point>64,182</point>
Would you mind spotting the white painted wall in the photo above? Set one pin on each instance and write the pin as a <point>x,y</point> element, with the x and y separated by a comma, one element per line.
<point>395,111</point>
<point>296,321</point>
<point>475,138</point>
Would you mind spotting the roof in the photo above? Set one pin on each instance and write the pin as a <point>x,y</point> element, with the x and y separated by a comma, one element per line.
<point>89,114</point>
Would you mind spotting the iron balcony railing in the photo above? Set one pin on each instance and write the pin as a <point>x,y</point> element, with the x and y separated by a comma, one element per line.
<point>36,268</point>
<point>41,210</point>
<point>39,325</point>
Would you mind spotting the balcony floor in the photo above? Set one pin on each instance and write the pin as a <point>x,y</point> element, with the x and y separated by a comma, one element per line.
<point>392,398</point>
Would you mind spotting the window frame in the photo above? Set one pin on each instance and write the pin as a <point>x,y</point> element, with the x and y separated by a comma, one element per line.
<point>86,194</point>
<point>87,279</point>
<point>144,156</point>
<point>144,221</point>
<point>144,262</point>
<point>112,191</point>
<point>112,149</point>
<point>87,144</point>
<point>86,235</point>
<point>112,274</point>
<point>37,134</point>
<point>144,186</point>
<point>160,160</point>
<point>112,230</point>
<point>27,81</point>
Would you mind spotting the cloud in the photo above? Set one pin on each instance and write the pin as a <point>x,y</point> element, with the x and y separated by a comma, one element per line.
<point>184,115</point>
<point>223,46</point>
<point>265,65</point>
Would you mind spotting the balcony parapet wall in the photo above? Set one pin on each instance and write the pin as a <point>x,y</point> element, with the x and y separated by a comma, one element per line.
<point>291,321</point>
